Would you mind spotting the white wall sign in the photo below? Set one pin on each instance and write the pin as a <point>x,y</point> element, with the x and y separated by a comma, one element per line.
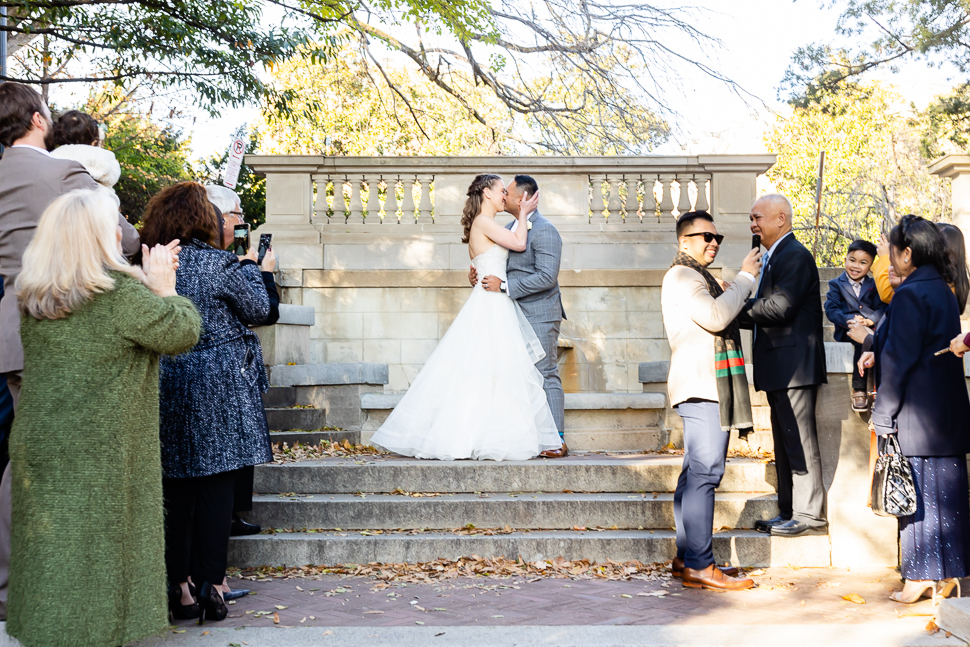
<point>236,152</point>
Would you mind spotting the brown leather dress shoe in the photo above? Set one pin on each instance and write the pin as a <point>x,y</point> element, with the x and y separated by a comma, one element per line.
<point>713,579</point>
<point>556,453</point>
<point>677,569</point>
<point>860,401</point>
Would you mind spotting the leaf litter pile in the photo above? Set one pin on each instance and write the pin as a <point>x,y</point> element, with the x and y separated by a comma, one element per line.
<point>474,566</point>
<point>284,453</point>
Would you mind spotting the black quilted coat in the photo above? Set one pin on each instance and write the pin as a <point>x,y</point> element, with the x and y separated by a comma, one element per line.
<point>212,417</point>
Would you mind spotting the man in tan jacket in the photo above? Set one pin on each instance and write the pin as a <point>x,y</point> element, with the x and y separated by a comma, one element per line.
<point>706,386</point>
<point>30,179</point>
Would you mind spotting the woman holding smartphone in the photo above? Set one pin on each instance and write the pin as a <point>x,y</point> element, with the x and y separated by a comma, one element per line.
<point>213,424</point>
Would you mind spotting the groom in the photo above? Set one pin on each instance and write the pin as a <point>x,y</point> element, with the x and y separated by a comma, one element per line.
<point>533,281</point>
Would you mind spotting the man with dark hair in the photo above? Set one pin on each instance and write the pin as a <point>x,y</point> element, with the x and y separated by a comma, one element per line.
<point>30,179</point>
<point>853,298</point>
<point>533,281</point>
<point>708,388</point>
<point>789,364</point>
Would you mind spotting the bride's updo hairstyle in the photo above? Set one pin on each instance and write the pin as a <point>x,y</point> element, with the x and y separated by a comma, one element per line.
<point>473,205</point>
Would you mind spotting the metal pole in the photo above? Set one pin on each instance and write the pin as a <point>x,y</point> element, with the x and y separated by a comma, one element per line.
<point>3,43</point>
<point>818,200</point>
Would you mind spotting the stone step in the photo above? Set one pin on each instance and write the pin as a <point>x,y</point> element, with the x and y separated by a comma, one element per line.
<point>547,511</point>
<point>578,473</point>
<point>746,548</point>
<point>280,396</point>
<point>314,437</point>
<point>286,419</point>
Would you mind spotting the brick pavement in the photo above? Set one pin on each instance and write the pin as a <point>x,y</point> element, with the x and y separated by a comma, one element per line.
<point>784,596</point>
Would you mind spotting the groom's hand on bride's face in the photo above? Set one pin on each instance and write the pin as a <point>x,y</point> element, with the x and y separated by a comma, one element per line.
<point>472,276</point>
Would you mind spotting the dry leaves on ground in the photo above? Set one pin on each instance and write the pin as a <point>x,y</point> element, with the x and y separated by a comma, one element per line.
<point>473,566</point>
<point>284,453</point>
<point>468,531</point>
<point>854,597</point>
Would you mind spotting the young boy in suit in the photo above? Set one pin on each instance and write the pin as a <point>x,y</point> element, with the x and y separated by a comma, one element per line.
<point>853,296</point>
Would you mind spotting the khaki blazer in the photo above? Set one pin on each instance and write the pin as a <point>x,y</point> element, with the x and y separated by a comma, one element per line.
<point>691,316</point>
<point>29,181</point>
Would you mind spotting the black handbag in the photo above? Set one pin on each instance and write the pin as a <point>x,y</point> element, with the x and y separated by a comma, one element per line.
<point>893,488</point>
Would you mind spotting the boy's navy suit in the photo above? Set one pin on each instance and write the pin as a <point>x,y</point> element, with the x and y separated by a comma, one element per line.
<point>841,305</point>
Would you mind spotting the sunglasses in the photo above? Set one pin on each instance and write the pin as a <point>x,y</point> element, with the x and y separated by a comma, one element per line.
<point>708,236</point>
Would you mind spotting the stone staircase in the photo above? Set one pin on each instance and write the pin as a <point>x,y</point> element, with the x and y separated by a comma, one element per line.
<point>594,506</point>
<point>291,422</point>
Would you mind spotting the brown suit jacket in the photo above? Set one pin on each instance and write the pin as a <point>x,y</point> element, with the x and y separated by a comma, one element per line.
<point>29,181</point>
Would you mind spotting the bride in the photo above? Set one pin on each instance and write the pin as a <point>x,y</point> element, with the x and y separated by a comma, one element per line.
<point>479,395</point>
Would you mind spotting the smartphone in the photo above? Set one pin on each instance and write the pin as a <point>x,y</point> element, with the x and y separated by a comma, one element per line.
<point>756,241</point>
<point>240,239</point>
<point>264,242</point>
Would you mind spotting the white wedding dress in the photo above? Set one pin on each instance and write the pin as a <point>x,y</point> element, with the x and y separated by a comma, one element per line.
<point>479,395</point>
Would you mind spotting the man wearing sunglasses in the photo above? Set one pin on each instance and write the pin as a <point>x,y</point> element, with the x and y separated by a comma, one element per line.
<point>707,386</point>
<point>789,364</point>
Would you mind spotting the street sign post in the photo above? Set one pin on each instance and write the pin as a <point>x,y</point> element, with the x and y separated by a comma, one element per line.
<point>236,152</point>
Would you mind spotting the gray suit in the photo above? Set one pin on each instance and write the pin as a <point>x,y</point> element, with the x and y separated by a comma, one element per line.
<point>29,181</point>
<point>533,281</point>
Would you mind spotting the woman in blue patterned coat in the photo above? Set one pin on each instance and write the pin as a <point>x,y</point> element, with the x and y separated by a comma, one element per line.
<point>212,418</point>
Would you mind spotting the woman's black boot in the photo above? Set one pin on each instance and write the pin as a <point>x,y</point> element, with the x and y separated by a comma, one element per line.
<point>211,604</point>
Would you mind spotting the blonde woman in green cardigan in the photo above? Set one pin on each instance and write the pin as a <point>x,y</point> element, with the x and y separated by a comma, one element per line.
<point>87,540</point>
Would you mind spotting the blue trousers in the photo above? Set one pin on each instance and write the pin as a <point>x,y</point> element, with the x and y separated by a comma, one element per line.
<point>705,450</point>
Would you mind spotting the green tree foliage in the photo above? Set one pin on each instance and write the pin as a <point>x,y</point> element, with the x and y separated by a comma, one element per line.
<point>874,168</point>
<point>250,187</point>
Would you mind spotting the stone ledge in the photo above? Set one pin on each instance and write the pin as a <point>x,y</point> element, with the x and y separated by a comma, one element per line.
<point>574,401</point>
<point>328,374</point>
<point>654,372</point>
<point>296,315</point>
<point>953,615</point>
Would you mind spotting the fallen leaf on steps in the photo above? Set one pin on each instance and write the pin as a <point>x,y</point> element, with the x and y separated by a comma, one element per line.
<point>854,597</point>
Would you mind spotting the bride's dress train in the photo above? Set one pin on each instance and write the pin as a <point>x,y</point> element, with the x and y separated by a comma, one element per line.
<point>479,395</point>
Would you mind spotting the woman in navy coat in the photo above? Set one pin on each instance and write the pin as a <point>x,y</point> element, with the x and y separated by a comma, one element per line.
<point>923,399</point>
<point>213,424</point>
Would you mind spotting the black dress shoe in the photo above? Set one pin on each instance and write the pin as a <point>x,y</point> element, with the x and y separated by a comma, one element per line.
<point>240,527</point>
<point>795,528</point>
<point>764,525</point>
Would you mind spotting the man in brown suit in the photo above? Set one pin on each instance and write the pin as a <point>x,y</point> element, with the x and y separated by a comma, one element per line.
<point>30,179</point>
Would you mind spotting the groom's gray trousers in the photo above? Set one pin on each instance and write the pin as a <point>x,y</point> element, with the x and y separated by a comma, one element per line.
<point>533,281</point>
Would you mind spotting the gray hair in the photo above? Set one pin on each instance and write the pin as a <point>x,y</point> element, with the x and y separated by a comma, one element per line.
<point>780,201</point>
<point>224,198</point>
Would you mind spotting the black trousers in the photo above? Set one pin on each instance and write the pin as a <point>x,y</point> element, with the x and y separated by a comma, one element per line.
<point>198,513</point>
<point>801,495</point>
<point>243,495</point>
<point>859,382</point>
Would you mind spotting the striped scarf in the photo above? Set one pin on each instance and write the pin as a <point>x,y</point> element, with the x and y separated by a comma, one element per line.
<point>732,382</point>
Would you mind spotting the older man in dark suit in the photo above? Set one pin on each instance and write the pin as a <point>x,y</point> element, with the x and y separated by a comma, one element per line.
<point>30,179</point>
<point>789,364</point>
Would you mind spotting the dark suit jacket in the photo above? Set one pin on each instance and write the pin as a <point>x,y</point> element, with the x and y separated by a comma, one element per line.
<point>786,316</point>
<point>841,304</point>
<point>921,395</point>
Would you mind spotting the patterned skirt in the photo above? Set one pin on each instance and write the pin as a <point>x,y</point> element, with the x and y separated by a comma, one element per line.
<point>935,541</point>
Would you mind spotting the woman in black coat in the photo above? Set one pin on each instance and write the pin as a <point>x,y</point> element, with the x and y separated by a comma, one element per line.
<point>212,420</point>
<point>923,399</point>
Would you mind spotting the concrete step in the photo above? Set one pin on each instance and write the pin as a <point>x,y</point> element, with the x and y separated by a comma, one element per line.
<point>286,419</point>
<point>740,547</point>
<point>280,396</point>
<point>313,437</point>
<point>547,511</point>
<point>578,473</point>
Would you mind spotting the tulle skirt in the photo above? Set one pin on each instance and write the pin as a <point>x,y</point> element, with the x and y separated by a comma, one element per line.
<point>479,395</point>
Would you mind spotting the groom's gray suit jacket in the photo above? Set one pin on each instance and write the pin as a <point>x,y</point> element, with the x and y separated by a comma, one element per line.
<point>533,281</point>
<point>533,274</point>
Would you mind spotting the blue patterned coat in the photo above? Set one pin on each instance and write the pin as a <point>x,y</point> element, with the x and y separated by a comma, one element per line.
<point>212,417</point>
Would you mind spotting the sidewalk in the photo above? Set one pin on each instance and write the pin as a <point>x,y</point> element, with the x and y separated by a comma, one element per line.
<point>790,607</point>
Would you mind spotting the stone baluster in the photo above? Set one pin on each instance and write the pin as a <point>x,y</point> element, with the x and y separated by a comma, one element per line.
<point>649,197</point>
<point>321,210</point>
<point>407,209</point>
<point>667,199</point>
<point>356,204</point>
<point>373,201</point>
<point>683,202</point>
<point>632,201</point>
<point>614,204</point>
<point>702,203</point>
<point>598,203</point>
<point>424,207</point>
<point>390,202</point>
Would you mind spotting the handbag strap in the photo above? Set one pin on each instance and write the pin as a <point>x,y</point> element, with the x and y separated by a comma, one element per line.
<point>892,445</point>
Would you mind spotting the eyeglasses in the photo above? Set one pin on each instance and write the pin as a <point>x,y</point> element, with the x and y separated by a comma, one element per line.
<point>708,236</point>
<point>238,214</point>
